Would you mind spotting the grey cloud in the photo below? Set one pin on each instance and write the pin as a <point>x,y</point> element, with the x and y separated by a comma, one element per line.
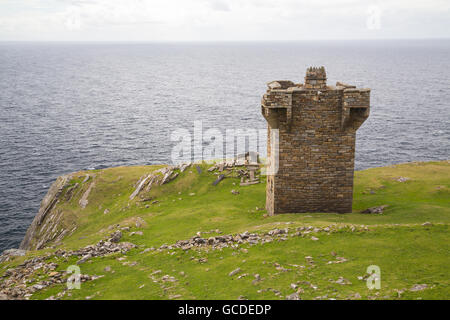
<point>219,5</point>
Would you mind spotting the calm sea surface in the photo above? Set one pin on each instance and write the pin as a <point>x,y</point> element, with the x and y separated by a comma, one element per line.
<point>66,107</point>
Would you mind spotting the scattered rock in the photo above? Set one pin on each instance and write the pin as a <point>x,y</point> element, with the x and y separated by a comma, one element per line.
<point>234,192</point>
<point>3,297</point>
<point>427,224</point>
<point>342,281</point>
<point>234,272</point>
<point>402,179</point>
<point>293,296</point>
<point>419,287</point>
<point>338,260</point>
<point>233,241</point>
<point>168,278</point>
<point>355,296</point>
<point>11,253</point>
<point>378,209</point>
<point>84,258</point>
<point>38,286</point>
<point>139,222</point>
<point>115,237</point>
<point>219,178</point>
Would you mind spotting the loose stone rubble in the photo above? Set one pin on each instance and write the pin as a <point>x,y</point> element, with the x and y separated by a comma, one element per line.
<point>419,287</point>
<point>244,166</point>
<point>234,272</point>
<point>224,241</point>
<point>342,281</point>
<point>7,254</point>
<point>293,296</point>
<point>20,282</point>
<point>378,210</point>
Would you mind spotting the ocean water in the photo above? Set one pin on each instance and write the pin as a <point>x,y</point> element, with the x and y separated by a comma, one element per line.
<point>71,106</point>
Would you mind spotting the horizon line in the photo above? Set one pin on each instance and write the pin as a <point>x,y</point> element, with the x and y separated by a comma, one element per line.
<point>226,41</point>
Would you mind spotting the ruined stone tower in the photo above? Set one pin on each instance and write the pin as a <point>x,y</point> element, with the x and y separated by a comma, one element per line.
<point>316,127</point>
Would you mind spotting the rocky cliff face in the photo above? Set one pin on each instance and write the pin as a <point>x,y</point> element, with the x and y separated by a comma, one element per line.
<point>44,227</point>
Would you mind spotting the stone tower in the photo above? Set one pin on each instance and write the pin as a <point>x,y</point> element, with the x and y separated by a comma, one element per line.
<point>311,143</point>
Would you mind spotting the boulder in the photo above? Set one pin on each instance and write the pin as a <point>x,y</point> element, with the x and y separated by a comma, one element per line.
<point>219,178</point>
<point>234,272</point>
<point>378,210</point>
<point>116,236</point>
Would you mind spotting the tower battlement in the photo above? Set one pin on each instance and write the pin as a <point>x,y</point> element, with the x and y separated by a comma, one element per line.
<point>316,77</point>
<point>316,127</point>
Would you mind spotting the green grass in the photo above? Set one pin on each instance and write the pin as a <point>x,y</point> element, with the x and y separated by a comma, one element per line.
<point>407,252</point>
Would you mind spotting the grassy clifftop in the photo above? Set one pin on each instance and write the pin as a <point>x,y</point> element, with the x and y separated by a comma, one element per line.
<point>307,256</point>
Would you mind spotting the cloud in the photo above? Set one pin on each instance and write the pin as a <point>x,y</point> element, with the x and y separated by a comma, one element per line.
<point>220,19</point>
<point>112,12</point>
<point>219,5</point>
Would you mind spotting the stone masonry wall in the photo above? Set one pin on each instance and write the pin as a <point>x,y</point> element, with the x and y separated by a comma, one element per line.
<point>317,126</point>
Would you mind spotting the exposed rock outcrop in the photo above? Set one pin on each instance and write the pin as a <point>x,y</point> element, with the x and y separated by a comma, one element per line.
<point>5,256</point>
<point>84,199</point>
<point>47,204</point>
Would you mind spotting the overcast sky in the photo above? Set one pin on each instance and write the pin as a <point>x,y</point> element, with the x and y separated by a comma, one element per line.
<point>219,20</point>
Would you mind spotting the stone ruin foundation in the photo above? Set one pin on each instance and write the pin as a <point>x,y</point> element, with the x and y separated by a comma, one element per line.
<point>311,143</point>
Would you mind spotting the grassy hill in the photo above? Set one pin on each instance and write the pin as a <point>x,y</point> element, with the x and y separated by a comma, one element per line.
<point>321,256</point>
